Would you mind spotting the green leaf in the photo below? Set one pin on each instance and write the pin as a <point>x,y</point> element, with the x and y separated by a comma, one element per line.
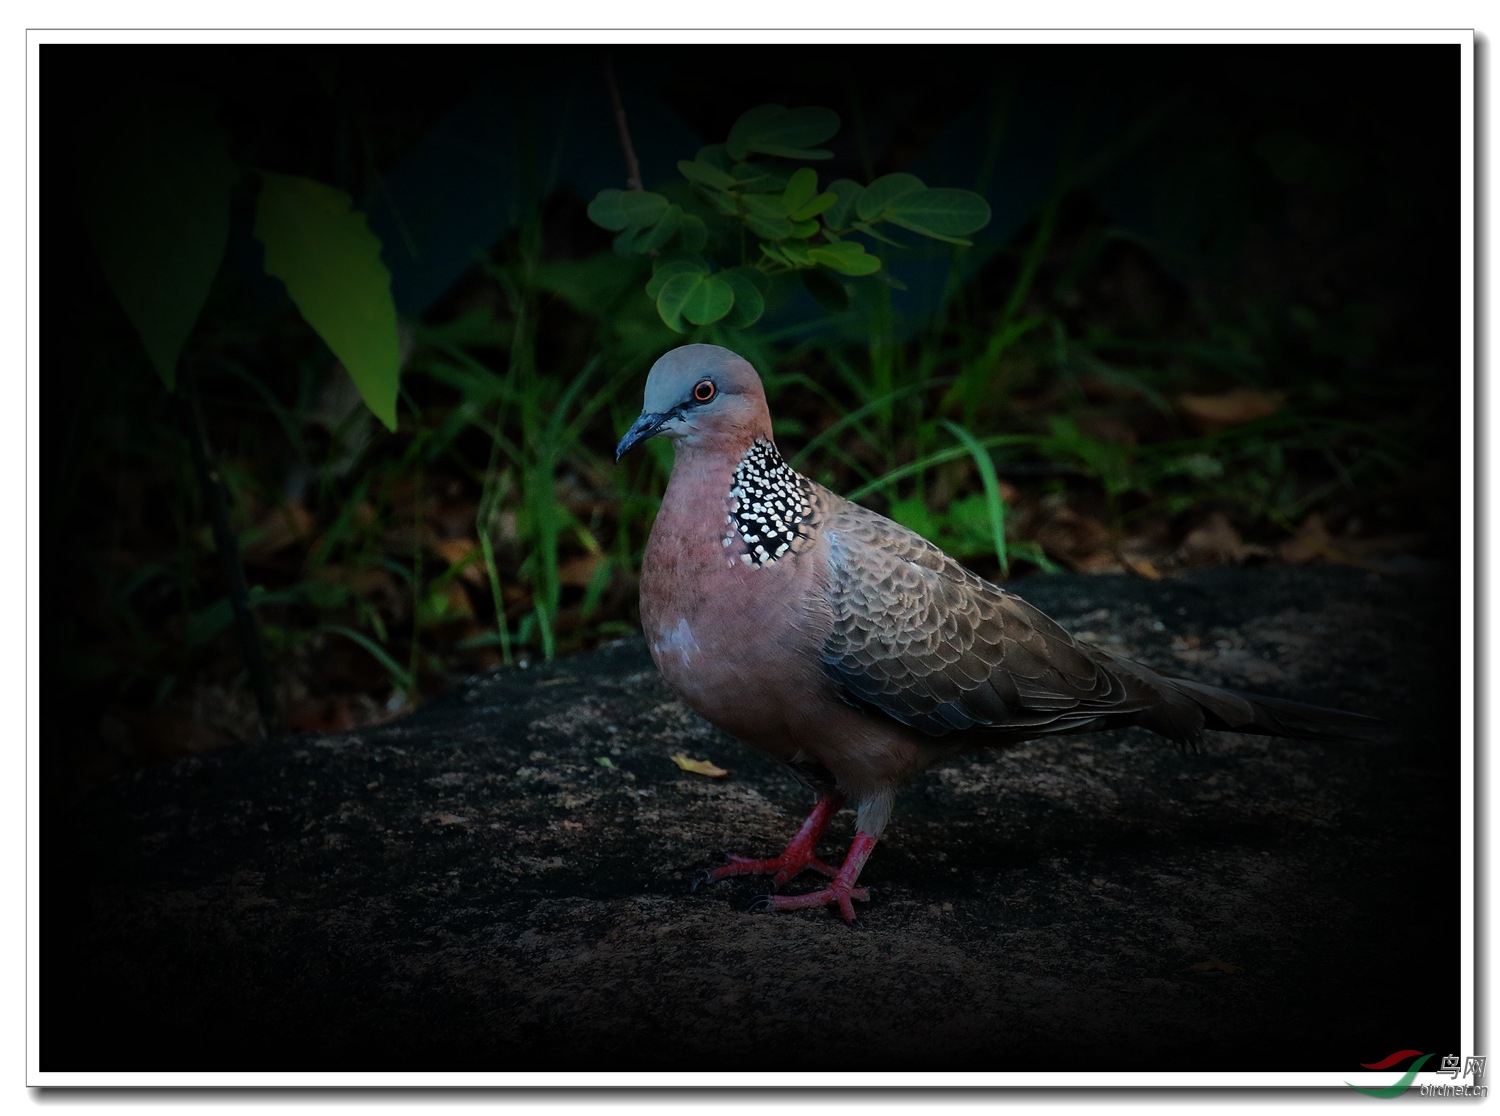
<point>879,194</point>
<point>710,300</point>
<point>154,187</point>
<point>666,269</point>
<point>847,257</point>
<point>642,208</point>
<point>771,253</point>
<point>724,204</point>
<point>714,155</point>
<point>797,253</point>
<point>829,292</point>
<point>772,228</point>
<point>706,174</point>
<point>673,296</point>
<point>800,189</point>
<point>841,213</point>
<point>875,234</point>
<point>605,210</point>
<point>659,233</point>
<point>321,248</point>
<point>759,176</point>
<point>692,232</point>
<point>787,133</point>
<point>804,153</point>
<point>801,230</point>
<point>749,299</point>
<point>943,213</point>
<point>816,206</point>
<point>765,205</point>
<point>624,242</point>
<point>750,123</point>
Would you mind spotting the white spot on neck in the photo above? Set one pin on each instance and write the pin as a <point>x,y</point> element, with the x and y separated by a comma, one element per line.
<point>677,641</point>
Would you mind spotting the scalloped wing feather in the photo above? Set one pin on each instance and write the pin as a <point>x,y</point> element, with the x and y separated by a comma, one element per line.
<point>938,648</point>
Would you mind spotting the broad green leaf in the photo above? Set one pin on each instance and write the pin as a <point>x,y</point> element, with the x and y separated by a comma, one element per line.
<point>828,291</point>
<point>943,213</point>
<point>781,151</point>
<point>692,232</point>
<point>154,187</point>
<point>800,189</point>
<point>841,212</point>
<point>765,205</point>
<point>726,205</point>
<point>666,269</point>
<point>749,299</point>
<point>797,253</point>
<point>758,176</point>
<point>624,243</point>
<point>880,193</point>
<point>772,228</point>
<point>706,174</point>
<point>846,257</point>
<point>750,123</point>
<point>661,232</point>
<point>321,248</point>
<point>787,133</point>
<point>816,206</point>
<point>642,208</point>
<point>674,295</point>
<point>875,234</point>
<point>770,252</point>
<point>714,155</point>
<point>709,301</point>
<point>605,210</point>
<point>801,230</point>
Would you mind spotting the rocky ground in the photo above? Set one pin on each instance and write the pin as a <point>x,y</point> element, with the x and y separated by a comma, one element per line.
<point>500,881</point>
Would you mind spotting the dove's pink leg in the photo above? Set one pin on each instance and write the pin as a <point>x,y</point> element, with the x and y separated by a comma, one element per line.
<point>798,856</point>
<point>841,890</point>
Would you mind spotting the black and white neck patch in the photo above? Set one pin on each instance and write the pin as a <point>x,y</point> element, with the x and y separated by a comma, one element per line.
<point>769,506</point>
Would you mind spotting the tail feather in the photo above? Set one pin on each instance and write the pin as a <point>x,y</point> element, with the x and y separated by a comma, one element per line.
<point>1237,711</point>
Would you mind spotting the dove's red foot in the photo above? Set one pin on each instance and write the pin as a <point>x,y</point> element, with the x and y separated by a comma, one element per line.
<point>797,857</point>
<point>841,891</point>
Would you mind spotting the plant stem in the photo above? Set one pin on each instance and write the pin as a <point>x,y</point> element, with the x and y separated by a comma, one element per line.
<point>228,549</point>
<point>632,164</point>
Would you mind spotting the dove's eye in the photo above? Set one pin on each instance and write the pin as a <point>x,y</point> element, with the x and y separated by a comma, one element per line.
<point>704,390</point>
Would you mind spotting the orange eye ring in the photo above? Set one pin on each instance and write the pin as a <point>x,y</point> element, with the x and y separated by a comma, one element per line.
<point>704,390</point>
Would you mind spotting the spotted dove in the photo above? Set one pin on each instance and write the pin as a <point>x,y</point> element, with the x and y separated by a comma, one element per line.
<point>852,649</point>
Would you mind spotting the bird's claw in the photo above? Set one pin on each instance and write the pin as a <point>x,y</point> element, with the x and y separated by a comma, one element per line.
<point>844,897</point>
<point>781,869</point>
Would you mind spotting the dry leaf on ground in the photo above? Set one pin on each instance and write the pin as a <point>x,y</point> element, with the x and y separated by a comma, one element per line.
<point>699,767</point>
<point>1230,408</point>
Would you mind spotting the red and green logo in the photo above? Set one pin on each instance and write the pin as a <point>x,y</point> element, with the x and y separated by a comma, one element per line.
<point>1395,1090</point>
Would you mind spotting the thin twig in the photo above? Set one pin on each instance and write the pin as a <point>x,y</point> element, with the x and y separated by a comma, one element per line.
<point>632,164</point>
<point>228,549</point>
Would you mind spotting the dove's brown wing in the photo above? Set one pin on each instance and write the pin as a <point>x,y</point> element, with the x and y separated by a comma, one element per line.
<point>919,637</point>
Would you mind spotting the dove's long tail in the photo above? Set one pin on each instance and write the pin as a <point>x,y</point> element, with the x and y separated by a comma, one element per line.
<point>1237,711</point>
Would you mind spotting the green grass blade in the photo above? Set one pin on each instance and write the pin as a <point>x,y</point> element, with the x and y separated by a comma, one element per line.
<point>403,678</point>
<point>993,500</point>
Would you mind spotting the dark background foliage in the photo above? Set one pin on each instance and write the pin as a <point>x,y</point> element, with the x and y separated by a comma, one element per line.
<point>1170,224</point>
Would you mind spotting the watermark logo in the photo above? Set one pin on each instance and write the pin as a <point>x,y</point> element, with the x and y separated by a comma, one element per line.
<point>1451,1064</point>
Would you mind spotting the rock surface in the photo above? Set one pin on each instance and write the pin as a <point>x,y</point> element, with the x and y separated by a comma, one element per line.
<point>500,881</point>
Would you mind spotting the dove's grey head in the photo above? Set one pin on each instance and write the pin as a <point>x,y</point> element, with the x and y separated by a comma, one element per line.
<point>697,394</point>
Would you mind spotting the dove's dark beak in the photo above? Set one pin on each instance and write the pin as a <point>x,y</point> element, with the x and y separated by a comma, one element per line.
<point>648,425</point>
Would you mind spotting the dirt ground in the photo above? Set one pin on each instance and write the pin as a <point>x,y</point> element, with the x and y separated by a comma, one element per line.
<point>500,881</point>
